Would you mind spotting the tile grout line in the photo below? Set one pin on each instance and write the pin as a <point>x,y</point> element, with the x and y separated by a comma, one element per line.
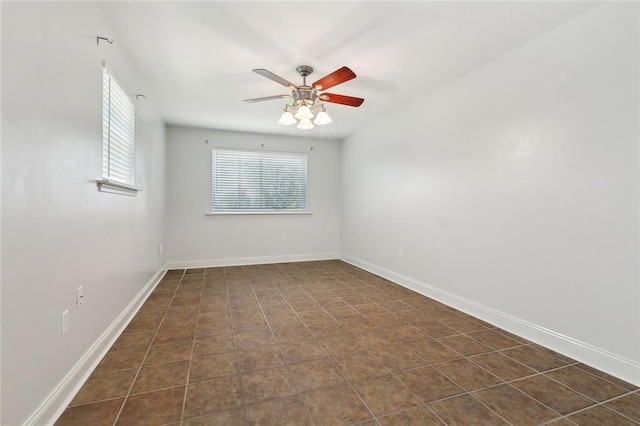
<point>286,364</point>
<point>596,403</point>
<point>333,363</point>
<point>509,383</point>
<point>367,350</point>
<point>331,360</point>
<point>193,345</point>
<point>391,373</point>
<point>503,381</point>
<point>193,353</point>
<point>466,392</point>
<point>347,380</point>
<point>465,357</point>
<point>235,347</point>
<point>126,398</point>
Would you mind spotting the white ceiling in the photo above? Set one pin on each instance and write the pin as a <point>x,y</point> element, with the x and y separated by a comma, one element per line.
<point>197,57</point>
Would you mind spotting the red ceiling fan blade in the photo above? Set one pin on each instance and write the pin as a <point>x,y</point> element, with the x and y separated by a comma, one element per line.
<point>342,99</point>
<point>266,98</point>
<point>337,77</point>
<point>272,76</point>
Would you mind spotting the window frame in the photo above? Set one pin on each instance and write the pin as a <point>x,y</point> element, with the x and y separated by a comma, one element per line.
<point>262,155</point>
<point>118,137</point>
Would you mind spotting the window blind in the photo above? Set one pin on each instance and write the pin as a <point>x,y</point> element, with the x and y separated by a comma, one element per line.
<point>118,132</point>
<point>258,181</point>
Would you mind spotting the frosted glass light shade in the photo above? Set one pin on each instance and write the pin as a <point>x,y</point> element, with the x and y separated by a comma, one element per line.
<point>304,112</point>
<point>322,118</point>
<point>305,124</point>
<point>286,119</point>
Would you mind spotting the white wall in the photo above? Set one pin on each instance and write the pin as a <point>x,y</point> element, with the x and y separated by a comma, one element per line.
<point>58,231</point>
<point>514,191</point>
<point>194,239</point>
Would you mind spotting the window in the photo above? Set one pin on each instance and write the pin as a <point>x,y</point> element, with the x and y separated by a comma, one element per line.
<point>118,132</point>
<point>258,181</point>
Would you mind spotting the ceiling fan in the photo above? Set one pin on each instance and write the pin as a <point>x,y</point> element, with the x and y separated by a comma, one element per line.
<point>307,100</point>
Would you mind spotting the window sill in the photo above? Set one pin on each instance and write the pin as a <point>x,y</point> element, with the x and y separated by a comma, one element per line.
<point>117,188</point>
<point>261,213</point>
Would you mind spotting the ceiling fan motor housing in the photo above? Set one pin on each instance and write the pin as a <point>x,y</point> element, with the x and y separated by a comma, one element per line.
<point>304,94</point>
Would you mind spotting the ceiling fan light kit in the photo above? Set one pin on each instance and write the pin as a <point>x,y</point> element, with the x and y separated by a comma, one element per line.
<point>287,119</point>
<point>307,100</point>
<point>323,118</point>
<point>303,112</point>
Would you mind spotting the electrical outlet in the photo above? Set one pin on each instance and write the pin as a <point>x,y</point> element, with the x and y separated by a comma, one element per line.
<point>65,321</point>
<point>284,237</point>
<point>400,251</point>
<point>79,296</point>
<point>160,248</point>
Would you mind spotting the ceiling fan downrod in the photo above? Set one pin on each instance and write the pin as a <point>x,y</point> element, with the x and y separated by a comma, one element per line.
<point>304,95</point>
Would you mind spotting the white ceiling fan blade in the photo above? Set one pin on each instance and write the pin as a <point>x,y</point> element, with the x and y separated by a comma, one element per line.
<point>271,76</point>
<point>266,98</point>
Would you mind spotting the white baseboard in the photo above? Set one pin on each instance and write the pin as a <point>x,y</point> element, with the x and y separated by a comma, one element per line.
<point>60,397</point>
<point>239,261</point>
<point>600,359</point>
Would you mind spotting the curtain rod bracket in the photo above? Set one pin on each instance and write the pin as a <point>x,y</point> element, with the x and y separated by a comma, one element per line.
<point>103,38</point>
<point>139,95</point>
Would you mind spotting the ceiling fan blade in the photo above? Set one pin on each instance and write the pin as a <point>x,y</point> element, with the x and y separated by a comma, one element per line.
<point>266,98</point>
<point>337,77</point>
<point>272,76</point>
<point>342,99</point>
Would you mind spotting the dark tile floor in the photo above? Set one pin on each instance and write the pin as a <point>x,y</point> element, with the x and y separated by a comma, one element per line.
<point>326,343</point>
